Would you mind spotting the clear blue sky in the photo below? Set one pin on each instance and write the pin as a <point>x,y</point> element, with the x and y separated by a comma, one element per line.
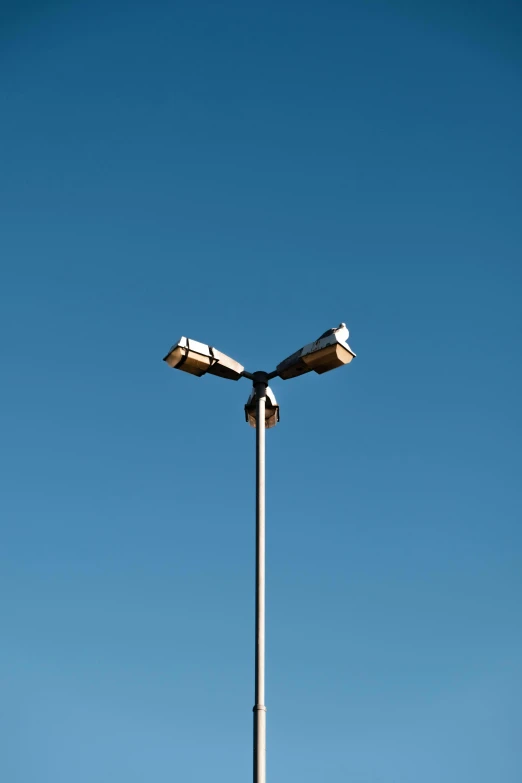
<point>250,174</point>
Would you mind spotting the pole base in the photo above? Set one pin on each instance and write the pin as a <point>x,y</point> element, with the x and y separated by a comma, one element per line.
<point>259,743</point>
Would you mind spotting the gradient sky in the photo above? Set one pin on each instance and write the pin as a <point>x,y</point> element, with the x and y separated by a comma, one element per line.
<point>250,174</point>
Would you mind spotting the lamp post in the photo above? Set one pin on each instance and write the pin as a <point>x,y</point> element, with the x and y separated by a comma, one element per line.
<point>328,352</point>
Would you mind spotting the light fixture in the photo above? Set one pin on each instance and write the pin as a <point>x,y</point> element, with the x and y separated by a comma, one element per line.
<point>327,353</point>
<point>199,358</point>
<point>271,409</point>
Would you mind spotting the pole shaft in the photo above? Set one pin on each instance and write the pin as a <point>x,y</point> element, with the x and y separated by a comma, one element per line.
<point>259,707</point>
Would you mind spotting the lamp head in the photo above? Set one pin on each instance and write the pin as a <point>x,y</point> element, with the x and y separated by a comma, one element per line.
<point>271,409</point>
<point>327,353</point>
<point>198,359</point>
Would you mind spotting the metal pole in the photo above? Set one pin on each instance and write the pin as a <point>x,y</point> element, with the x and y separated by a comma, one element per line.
<point>259,707</point>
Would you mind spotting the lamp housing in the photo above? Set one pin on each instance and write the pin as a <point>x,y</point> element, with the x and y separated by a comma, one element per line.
<point>198,358</point>
<point>271,409</point>
<point>327,353</point>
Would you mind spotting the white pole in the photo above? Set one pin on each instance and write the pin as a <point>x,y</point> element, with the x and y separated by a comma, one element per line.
<point>259,707</point>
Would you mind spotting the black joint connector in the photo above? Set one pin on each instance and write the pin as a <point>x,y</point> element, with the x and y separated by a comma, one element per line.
<point>260,377</point>
<point>260,380</point>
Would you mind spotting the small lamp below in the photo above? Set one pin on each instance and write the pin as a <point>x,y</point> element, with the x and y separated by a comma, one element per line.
<point>271,409</point>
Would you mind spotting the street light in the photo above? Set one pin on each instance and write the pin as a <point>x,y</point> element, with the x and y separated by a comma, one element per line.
<point>327,353</point>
